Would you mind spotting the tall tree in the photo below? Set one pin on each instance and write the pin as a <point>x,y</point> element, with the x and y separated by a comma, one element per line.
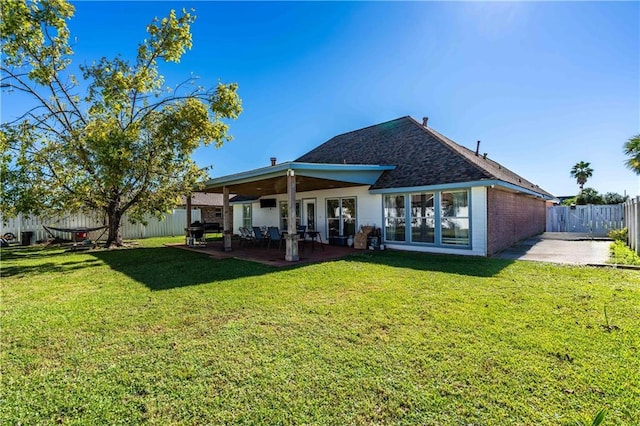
<point>581,172</point>
<point>119,143</point>
<point>632,149</point>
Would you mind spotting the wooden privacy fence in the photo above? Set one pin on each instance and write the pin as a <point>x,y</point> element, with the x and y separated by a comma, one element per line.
<point>596,220</point>
<point>171,224</point>
<point>632,222</point>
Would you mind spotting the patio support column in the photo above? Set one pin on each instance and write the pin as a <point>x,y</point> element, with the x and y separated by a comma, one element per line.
<point>188,198</point>
<point>292,234</point>
<point>226,218</point>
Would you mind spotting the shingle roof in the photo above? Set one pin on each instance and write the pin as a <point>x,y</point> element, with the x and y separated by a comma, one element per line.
<point>204,199</point>
<point>422,157</point>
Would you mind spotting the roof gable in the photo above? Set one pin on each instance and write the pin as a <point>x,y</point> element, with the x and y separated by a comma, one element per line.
<point>422,156</point>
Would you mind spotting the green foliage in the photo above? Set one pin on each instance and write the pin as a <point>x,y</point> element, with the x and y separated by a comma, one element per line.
<point>581,172</point>
<point>126,145</point>
<point>588,196</point>
<point>632,150</point>
<point>614,198</point>
<point>621,254</point>
<point>591,196</point>
<point>619,234</point>
<point>162,336</point>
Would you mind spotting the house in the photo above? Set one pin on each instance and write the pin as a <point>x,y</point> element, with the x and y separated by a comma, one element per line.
<point>424,191</point>
<point>209,204</point>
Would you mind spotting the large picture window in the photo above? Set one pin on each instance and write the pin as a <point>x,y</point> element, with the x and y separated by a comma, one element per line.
<point>394,218</point>
<point>438,218</point>
<point>454,222</point>
<point>423,218</point>
<point>341,216</point>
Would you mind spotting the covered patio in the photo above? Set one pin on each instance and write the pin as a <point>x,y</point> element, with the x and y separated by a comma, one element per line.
<point>289,178</point>
<point>272,256</point>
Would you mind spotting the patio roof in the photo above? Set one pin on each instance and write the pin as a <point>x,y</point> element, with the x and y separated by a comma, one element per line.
<point>309,177</point>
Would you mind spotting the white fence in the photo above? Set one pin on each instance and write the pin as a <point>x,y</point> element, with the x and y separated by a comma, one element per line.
<point>171,224</point>
<point>632,222</point>
<point>591,219</point>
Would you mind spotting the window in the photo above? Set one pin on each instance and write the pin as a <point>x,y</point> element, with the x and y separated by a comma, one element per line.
<point>217,212</point>
<point>439,218</point>
<point>247,221</point>
<point>454,222</point>
<point>284,215</point>
<point>341,216</point>
<point>423,218</point>
<point>394,218</point>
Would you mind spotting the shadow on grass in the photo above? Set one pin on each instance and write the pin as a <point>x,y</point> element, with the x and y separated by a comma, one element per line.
<point>49,267</point>
<point>461,265</point>
<point>161,268</point>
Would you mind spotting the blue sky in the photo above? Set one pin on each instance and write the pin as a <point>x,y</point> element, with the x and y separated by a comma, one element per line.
<point>543,85</point>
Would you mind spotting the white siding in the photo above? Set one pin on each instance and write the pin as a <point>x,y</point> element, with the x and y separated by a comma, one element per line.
<point>237,217</point>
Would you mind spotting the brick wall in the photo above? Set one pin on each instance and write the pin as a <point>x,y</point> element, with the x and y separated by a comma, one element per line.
<point>512,217</point>
<point>208,214</point>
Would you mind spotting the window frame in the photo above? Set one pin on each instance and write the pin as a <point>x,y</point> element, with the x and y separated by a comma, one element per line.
<point>248,206</point>
<point>438,216</point>
<point>283,207</point>
<point>467,241</point>
<point>340,217</point>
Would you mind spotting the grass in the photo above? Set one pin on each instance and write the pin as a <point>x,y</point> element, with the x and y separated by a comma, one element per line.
<point>621,254</point>
<point>158,335</point>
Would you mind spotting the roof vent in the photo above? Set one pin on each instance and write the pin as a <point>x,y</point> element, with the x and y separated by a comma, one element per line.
<point>424,121</point>
<point>484,156</point>
<point>478,149</point>
<point>273,161</point>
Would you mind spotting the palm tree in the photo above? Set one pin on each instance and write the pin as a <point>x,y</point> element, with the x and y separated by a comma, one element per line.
<point>581,171</point>
<point>632,149</point>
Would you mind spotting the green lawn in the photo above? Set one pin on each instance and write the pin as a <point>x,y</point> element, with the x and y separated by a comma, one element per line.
<point>159,335</point>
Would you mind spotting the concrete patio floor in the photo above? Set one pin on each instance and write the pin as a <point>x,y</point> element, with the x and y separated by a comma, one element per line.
<point>560,247</point>
<point>270,256</point>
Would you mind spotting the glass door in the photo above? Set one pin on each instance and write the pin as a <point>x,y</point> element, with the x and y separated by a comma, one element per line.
<point>309,214</point>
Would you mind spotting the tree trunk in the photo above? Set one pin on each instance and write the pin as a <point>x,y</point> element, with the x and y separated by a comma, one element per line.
<point>114,215</point>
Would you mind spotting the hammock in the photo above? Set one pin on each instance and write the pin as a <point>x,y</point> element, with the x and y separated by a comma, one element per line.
<point>80,232</point>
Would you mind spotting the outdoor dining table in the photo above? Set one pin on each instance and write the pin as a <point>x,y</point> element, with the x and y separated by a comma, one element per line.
<point>315,236</point>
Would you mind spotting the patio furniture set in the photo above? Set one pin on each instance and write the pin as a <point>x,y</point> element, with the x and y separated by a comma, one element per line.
<point>271,235</point>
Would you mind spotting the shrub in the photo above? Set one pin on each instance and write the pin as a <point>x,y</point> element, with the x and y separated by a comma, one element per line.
<point>621,254</point>
<point>619,234</point>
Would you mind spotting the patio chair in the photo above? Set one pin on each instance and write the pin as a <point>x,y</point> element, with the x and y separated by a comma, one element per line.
<point>260,237</point>
<point>274,235</point>
<point>301,230</point>
<point>246,236</point>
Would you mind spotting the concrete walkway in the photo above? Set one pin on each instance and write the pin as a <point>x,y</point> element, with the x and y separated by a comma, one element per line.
<point>560,247</point>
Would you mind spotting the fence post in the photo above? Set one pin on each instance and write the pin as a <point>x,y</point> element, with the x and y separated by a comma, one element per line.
<point>636,225</point>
